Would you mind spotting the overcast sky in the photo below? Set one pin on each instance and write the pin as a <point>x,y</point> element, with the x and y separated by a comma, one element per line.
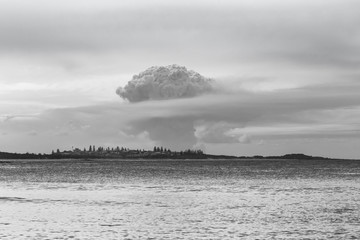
<point>287,75</point>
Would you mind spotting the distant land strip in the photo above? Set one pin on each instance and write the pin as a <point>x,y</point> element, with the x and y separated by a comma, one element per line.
<point>156,153</point>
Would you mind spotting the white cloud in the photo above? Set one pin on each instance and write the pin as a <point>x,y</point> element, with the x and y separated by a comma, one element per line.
<point>166,82</point>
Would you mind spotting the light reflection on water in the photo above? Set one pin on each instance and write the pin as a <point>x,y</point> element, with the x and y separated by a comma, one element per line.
<point>258,199</point>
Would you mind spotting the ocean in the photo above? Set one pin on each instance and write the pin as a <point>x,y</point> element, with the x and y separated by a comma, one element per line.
<point>179,199</point>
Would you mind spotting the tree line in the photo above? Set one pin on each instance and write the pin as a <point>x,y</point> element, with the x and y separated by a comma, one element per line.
<point>156,149</point>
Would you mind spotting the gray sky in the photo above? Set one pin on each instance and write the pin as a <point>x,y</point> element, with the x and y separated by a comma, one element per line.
<point>288,73</point>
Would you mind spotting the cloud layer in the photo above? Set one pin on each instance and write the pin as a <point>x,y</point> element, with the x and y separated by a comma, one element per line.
<point>269,122</point>
<point>165,82</point>
<point>294,67</point>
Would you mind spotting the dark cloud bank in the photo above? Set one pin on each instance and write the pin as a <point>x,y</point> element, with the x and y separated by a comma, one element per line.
<point>188,117</point>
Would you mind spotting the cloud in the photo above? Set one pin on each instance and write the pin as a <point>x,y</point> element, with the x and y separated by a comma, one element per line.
<point>245,31</point>
<point>248,117</point>
<point>91,45</point>
<point>33,133</point>
<point>167,82</point>
<point>173,132</point>
<point>6,118</point>
<point>218,118</point>
<point>218,132</point>
<point>288,47</point>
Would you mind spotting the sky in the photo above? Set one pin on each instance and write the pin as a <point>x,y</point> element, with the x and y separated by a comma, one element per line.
<point>284,76</point>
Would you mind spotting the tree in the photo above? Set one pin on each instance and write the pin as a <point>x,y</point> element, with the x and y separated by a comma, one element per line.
<point>90,148</point>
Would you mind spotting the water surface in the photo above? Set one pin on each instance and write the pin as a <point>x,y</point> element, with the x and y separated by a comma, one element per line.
<point>177,199</point>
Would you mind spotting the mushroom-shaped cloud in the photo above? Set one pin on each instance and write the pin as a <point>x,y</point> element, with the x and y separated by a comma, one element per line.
<point>165,82</point>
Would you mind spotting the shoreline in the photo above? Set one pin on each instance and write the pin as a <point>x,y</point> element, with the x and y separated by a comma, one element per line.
<point>10,160</point>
